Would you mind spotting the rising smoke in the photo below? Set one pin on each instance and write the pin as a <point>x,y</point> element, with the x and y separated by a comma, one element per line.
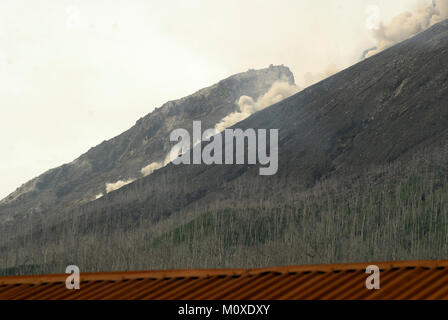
<point>408,24</point>
<point>277,92</point>
<point>153,166</point>
<point>150,168</point>
<point>117,185</point>
<point>314,77</point>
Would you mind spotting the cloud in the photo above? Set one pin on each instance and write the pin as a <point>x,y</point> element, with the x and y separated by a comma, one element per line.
<point>278,91</point>
<point>117,185</point>
<point>408,24</point>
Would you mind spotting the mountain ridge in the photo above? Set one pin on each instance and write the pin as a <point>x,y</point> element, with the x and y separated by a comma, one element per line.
<point>123,156</point>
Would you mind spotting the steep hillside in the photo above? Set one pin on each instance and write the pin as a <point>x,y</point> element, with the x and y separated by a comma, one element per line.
<point>123,157</point>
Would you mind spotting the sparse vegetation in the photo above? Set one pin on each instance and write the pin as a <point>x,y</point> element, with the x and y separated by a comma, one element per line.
<point>389,212</point>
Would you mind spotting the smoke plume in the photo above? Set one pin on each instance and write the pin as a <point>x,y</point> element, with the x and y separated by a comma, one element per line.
<point>117,185</point>
<point>150,168</point>
<point>314,77</point>
<point>277,92</point>
<point>408,24</point>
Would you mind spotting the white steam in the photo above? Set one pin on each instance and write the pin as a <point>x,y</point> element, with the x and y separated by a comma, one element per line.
<point>408,24</point>
<point>117,185</point>
<point>278,91</point>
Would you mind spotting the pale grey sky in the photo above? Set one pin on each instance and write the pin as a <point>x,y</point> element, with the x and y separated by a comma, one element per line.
<point>76,72</point>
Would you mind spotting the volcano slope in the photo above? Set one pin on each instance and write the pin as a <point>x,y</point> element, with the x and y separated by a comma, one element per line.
<point>362,176</point>
<point>123,157</point>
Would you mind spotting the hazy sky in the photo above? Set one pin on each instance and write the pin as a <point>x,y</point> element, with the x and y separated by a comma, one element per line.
<point>75,73</point>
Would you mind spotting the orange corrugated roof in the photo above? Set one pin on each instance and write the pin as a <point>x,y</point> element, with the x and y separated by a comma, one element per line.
<point>399,280</point>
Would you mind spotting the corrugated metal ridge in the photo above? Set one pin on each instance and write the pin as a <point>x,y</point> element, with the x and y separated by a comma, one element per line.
<point>205,273</point>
